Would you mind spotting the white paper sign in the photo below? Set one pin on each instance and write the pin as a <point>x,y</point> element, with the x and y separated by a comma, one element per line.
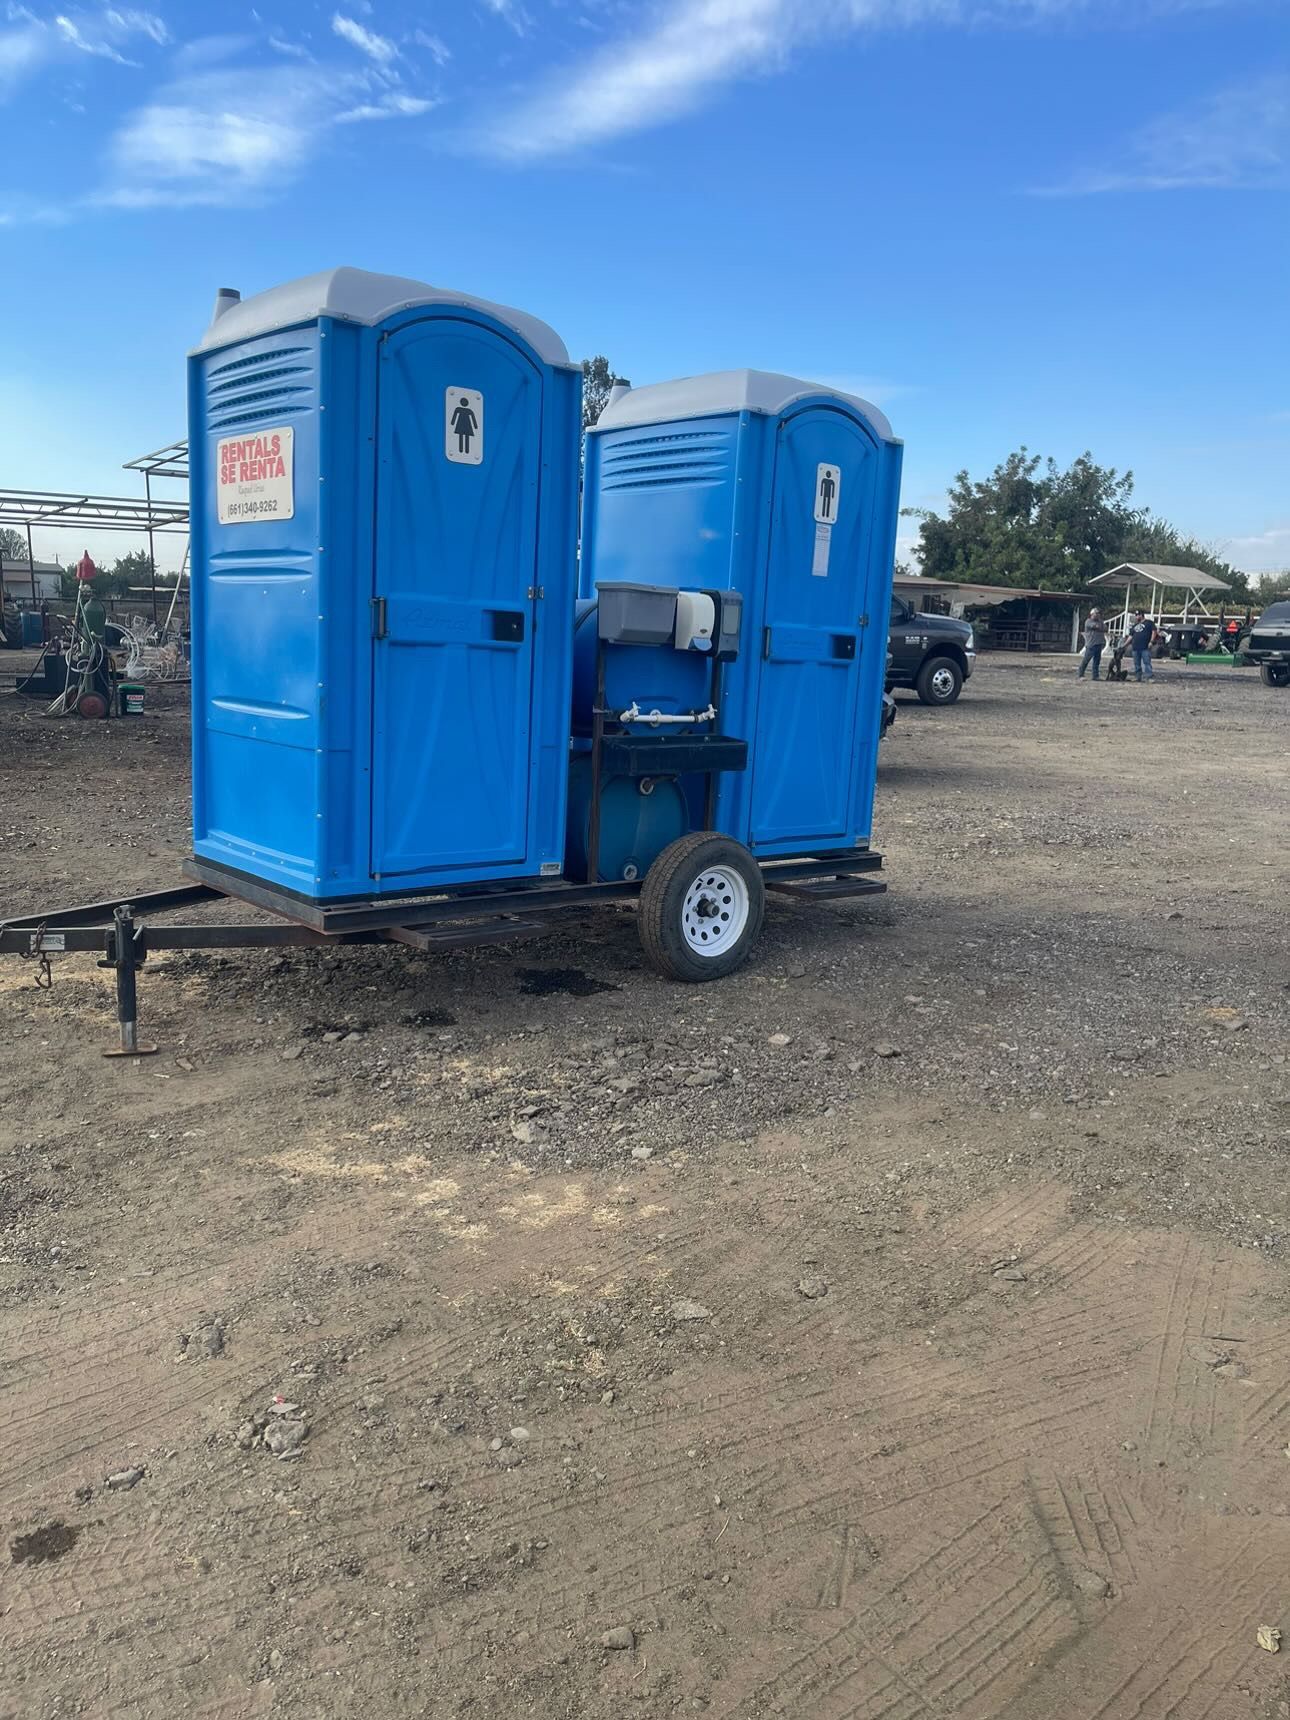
<point>255,477</point>
<point>463,426</point>
<point>823,544</point>
<point>828,493</point>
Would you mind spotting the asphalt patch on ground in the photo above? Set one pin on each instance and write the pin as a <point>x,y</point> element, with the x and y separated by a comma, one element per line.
<point>572,982</point>
<point>48,1542</point>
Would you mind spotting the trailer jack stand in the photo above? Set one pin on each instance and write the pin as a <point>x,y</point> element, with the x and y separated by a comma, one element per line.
<point>129,951</point>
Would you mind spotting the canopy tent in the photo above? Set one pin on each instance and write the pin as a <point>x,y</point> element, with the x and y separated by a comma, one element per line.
<point>1159,577</point>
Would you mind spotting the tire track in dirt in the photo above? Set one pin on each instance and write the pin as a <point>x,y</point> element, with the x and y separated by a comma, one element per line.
<point>1090,1523</point>
<point>115,1383</point>
<point>1139,1659</point>
<point>894,1654</point>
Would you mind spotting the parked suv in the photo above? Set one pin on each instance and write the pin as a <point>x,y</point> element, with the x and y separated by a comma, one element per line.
<point>1268,644</point>
<point>930,653</point>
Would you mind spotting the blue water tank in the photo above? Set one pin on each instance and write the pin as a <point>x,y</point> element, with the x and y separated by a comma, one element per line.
<point>383,492</point>
<point>650,676</point>
<point>787,492</point>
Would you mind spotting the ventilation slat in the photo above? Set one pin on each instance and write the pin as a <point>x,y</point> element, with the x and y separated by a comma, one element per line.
<point>675,460</point>
<point>260,358</point>
<point>261,415</point>
<point>238,383</point>
<point>253,396</point>
<point>280,382</point>
<point>689,481</point>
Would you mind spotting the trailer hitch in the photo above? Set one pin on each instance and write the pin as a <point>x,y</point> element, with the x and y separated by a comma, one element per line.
<point>127,950</point>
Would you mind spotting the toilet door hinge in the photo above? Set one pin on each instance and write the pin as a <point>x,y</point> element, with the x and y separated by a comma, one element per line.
<point>864,621</point>
<point>378,618</point>
<point>536,591</point>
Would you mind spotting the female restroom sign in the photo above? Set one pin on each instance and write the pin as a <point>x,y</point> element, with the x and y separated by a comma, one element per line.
<point>463,426</point>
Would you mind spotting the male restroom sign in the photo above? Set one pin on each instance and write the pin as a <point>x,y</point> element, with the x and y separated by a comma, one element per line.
<point>828,489</point>
<point>828,493</point>
<point>463,426</point>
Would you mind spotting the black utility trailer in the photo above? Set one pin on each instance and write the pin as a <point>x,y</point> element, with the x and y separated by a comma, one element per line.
<point>123,932</point>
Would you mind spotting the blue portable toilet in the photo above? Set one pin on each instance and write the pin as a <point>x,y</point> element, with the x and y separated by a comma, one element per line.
<point>383,493</point>
<point>787,492</point>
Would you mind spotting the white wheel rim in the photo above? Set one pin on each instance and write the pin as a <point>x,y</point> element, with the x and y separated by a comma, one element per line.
<point>715,911</point>
<point>943,683</point>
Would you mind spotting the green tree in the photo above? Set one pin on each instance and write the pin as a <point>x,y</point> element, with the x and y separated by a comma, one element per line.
<point>1270,588</point>
<point>1033,523</point>
<point>133,568</point>
<point>597,379</point>
<point>106,583</point>
<point>13,543</point>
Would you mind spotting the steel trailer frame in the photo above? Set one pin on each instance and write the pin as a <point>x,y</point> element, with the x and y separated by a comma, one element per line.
<point>464,918</point>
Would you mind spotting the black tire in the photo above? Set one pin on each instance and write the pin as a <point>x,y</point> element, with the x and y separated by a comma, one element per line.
<point>664,915</point>
<point>1275,674</point>
<point>940,681</point>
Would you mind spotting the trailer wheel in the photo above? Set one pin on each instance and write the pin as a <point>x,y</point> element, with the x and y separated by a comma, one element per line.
<point>701,907</point>
<point>1275,674</point>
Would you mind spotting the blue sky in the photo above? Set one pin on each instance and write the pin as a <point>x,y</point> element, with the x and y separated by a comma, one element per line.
<point>1058,222</point>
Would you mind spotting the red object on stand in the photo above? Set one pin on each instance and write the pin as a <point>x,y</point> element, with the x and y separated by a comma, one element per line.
<point>85,568</point>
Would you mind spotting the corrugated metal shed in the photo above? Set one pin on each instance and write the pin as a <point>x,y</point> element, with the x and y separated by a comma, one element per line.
<point>966,591</point>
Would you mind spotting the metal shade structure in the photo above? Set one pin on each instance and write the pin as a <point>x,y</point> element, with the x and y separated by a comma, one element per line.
<point>1160,577</point>
<point>69,509</point>
<point>102,513</point>
<point>168,462</point>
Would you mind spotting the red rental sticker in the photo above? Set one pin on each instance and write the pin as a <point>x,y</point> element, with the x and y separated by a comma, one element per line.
<point>255,477</point>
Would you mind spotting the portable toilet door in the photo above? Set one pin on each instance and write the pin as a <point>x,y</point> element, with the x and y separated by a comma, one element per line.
<point>459,452</point>
<point>815,628</point>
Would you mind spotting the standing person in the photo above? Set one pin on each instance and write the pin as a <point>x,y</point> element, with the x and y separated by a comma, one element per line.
<point>1141,633</point>
<point>1094,644</point>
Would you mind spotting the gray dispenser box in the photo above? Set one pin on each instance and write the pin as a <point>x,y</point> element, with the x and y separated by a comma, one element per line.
<point>633,614</point>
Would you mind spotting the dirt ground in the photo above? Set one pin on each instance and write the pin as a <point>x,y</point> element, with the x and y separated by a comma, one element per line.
<point>898,1329</point>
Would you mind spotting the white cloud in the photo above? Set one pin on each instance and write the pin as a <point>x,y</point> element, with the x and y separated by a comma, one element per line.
<point>70,32</point>
<point>688,49</point>
<point>20,51</point>
<point>435,47</point>
<point>378,48</point>
<point>132,22</point>
<point>215,138</point>
<point>1262,552</point>
<point>238,135</point>
<point>512,13</point>
<point>389,107</point>
<point>1236,139</point>
<point>97,33</point>
<point>646,80</point>
<point>294,50</point>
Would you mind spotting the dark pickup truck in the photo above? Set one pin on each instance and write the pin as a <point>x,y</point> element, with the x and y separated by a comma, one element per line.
<point>1268,644</point>
<point>930,653</point>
